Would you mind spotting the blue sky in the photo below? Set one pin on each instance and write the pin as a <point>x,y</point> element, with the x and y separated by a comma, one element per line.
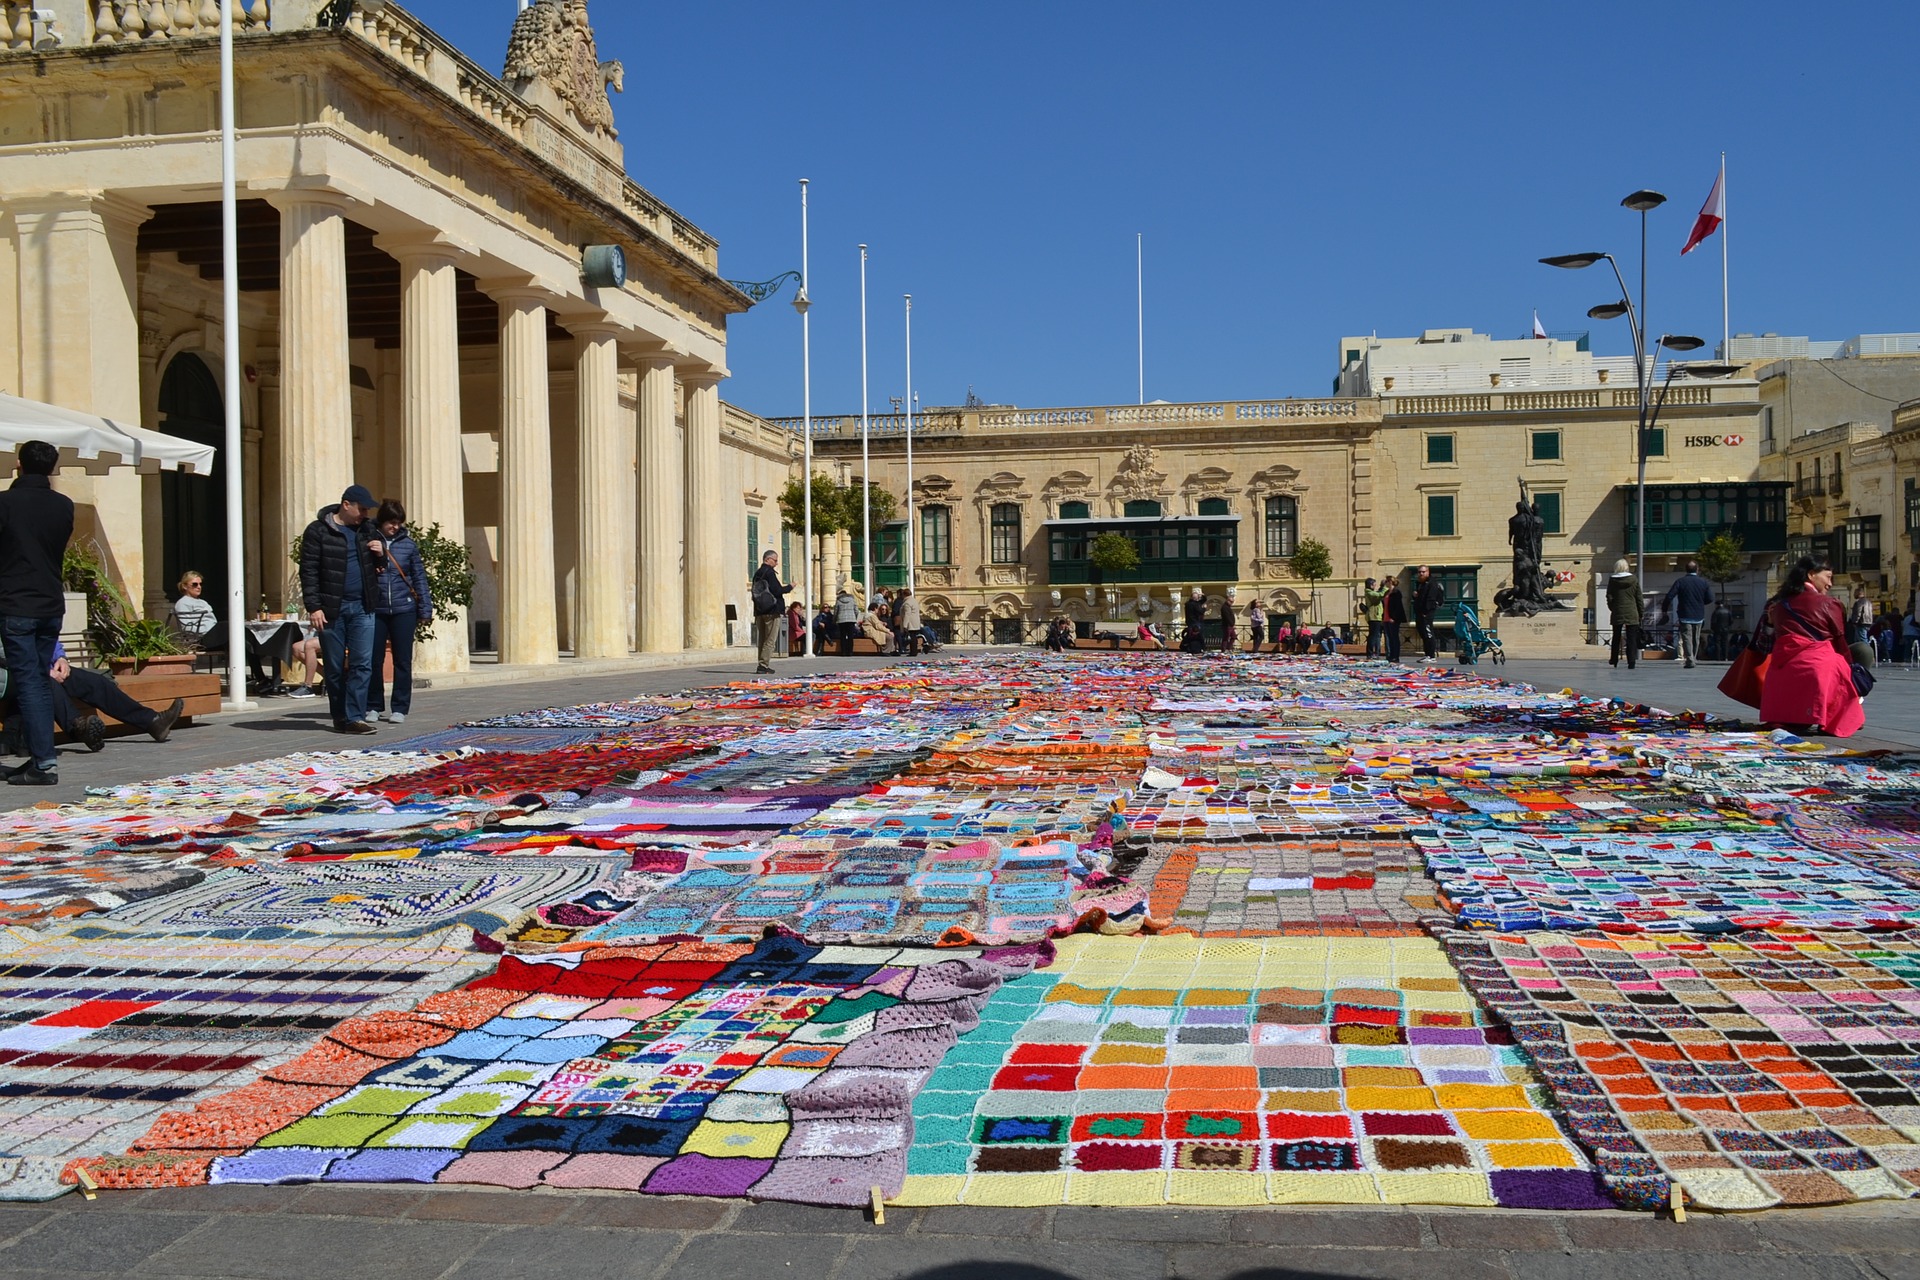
<point>1299,172</point>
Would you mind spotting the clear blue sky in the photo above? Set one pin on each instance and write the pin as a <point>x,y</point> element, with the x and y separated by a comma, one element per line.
<point>1299,171</point>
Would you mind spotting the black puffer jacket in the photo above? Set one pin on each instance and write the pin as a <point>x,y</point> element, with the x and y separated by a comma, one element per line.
<point>323,564</point>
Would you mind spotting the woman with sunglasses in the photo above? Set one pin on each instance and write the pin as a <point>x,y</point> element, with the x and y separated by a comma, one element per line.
<point>192,615</point>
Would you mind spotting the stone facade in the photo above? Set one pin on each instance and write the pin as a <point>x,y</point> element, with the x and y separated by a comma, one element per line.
<point>414,313</point>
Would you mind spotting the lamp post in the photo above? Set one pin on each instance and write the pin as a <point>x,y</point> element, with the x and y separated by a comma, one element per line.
<point>1641,202</point>
<point>802,303</point>
<point>866,467</point>
<point>230,463</point>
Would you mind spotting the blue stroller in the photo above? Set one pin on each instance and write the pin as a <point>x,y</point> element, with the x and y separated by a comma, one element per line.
<point>1472,639</point>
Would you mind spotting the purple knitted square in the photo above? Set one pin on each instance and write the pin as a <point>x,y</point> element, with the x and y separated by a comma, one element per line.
<point>1445,1035</point>
<point>834,1180</point>
<point>396,1164</point>
<point>275,1165</point>
<point>696,1175</point>
<point>1550,1189</point>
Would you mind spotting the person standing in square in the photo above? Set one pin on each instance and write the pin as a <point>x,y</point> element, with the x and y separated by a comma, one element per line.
<point>337,587</point>
<point>35,526</point>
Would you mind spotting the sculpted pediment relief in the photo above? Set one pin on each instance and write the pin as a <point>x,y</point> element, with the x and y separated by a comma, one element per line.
<point>1278,478</point>
<point>932,486</point>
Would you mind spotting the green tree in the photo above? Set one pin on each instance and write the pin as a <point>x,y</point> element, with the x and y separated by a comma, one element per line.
<point>1312,561</point>
<point>881,505</point>
<point>1113,553</point>
<point>450,576</point>
<point>1722,558</point>
<point>829,506</point>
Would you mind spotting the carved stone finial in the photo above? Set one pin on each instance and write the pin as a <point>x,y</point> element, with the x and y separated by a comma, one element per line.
<point>552,46</point>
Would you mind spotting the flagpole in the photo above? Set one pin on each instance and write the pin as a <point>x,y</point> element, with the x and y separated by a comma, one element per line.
<point>1140,305</point>
<point>1726,322</point>
<point>910,529</point>
<point>866,467</point>
<point>806,419</point>
<point>230,465</point>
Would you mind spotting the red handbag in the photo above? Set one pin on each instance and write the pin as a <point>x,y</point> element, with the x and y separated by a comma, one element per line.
<point>1745,677</point>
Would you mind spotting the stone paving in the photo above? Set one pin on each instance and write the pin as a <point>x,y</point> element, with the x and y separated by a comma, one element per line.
<point>237,1230</point>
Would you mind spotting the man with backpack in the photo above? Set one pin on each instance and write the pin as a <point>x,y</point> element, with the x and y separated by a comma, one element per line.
<point>769,609</point>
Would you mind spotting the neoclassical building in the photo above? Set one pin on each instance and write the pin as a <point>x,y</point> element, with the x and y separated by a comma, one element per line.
<point>431,305</point>
<point>1418,460</point>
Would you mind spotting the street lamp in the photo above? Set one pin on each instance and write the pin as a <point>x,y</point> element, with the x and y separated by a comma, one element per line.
<point>1641,202</point>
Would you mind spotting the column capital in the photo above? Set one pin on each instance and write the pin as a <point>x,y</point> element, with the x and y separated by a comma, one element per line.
<point>595,326</point>
<point>425,246</point>
<point>645,349</point>
<point>518,290</point>
<point>51,211</point>
<point>341,202</point>
<point>699,375</point>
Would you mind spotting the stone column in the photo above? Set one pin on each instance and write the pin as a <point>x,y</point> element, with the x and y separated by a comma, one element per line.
<point>316,403</point>
<point>528,631</point>
<point>606,579</point>
<point>74,256</point>
<point>432,470</point>
<point>706,624</point>
<point>661,502</point>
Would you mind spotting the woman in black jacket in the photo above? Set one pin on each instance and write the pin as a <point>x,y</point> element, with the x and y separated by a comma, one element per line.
<point>1193,639</point>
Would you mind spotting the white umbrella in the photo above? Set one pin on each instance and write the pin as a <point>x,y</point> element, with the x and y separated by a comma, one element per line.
<point>97,444</point>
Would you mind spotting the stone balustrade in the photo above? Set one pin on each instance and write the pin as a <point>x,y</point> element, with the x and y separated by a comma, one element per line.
<point>938,422</point>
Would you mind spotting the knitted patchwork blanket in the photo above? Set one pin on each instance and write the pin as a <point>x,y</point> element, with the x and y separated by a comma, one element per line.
<point>102,1029</point>
<point>1753,1072</point>
<point>1705,883</point>
<point>394,899</point>
<point>1331,887</point>
<point>781,1071</point>
<point>859,891</point>
<point>1593,805</point>
<point>292,781</point>
<point>1217,1072</point>
<point>1170,807</point>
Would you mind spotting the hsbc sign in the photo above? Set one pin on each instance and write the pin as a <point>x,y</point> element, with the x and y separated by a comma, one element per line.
<point>1709,442</point>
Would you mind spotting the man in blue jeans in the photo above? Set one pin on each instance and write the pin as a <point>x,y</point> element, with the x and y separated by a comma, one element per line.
<point>35,524</point>
<point>337,589</point>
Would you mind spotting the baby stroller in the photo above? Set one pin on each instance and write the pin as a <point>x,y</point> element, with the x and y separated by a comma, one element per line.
<point>1472,639</point>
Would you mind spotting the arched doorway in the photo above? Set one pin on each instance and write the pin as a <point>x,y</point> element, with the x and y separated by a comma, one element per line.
<point>193,508</point>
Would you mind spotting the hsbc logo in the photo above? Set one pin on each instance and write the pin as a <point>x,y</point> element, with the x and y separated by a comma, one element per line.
<point>1708,442</point>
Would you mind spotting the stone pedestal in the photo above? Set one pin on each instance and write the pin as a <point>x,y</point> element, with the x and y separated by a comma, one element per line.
<point>1557,633</point>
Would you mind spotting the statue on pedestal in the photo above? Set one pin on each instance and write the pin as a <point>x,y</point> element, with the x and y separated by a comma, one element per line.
<point>1526,534</point>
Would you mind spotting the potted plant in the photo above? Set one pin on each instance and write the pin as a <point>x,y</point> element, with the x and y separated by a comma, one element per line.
<point>148,645</point>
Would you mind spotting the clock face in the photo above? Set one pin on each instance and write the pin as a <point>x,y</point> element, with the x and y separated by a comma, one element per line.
<point>605,266</point>
<point>617,266</point>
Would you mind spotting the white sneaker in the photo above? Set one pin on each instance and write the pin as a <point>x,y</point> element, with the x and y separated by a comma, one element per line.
<point>398,717</point>
<point>372,717</point>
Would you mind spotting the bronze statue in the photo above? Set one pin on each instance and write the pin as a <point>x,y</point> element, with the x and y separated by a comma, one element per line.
<point>1526,534</point>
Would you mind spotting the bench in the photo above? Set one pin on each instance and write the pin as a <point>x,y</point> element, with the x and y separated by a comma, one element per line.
<point>201,693</point>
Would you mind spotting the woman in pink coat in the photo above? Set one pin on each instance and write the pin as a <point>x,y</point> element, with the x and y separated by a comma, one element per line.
<point>1809,680</point>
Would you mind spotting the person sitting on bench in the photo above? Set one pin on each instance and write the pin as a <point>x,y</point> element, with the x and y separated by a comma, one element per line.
<point>96,689</point>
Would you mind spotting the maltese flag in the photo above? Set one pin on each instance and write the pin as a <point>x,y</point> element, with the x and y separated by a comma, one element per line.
<point>1712,213</point>
<point>1539,330</point>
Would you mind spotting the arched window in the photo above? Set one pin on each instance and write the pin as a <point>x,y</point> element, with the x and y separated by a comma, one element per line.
<point>1214,507</point>
<point>1142,507</point>
<point>1074,511</point>
<point>1005,524</point>
<point>1283,527</point>
<point>936,536</point>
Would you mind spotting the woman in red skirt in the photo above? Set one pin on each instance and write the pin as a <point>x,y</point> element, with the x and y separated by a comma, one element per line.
<point>1809,680</point>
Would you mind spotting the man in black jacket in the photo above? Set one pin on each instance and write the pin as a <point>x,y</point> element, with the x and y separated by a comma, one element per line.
<point>1428,596</point>
<point>769,609</point>
<point>35,524</point>
<point>337,588</point>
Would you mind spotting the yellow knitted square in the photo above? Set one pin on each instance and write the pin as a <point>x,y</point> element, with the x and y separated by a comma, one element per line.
<point>1146,1188</point>
<point>1016,1189</point>
<point>1531,1155</point>
<point>1322,1188</point>
<point>1436,1188</point>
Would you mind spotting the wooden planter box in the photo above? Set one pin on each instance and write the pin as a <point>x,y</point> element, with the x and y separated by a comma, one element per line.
<point>171,664</point>
<point>157,690</point>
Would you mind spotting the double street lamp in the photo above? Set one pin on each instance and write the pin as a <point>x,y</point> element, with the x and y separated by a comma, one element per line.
<point>1644,361</point>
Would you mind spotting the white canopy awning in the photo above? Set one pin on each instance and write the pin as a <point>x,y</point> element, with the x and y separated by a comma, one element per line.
<point>97,444</point>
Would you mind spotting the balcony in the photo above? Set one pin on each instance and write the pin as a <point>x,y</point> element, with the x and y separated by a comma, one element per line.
<point>1682,516</point>
<point>1180,550</point>
<point>1806,489</point>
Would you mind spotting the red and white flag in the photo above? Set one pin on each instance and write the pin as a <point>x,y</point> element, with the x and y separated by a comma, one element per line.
<point>1712,213</point>
<point>1539,330</point>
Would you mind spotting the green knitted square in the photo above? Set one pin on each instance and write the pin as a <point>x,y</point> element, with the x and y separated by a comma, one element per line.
<point>328,1131</point>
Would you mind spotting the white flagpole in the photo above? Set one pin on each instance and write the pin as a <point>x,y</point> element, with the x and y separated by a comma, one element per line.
<point>911,531</point>
<point>806,418</point>
<point>1140,306</point>
<point>1726,322</point>
<point>866,466</point>
<point>230,464</point>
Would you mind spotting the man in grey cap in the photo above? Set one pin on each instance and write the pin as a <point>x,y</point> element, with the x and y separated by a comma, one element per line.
<point>337,588</point>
